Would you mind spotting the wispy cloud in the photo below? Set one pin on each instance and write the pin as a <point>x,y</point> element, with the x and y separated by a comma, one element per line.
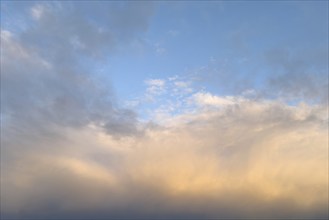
<point>155,87</point>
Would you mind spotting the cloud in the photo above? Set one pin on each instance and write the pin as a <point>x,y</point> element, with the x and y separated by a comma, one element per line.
<point>155,87</point>
<point>270,162</point>
<point>295,75</point>
<point>47,66</point>
<point>164,98</point>
<point>284,72</point>
<point>207,99</point>
<point>37,11</point>
<point>254,158</point>
<point>182,87</point>
<point>68,150</point>
<point>155,82</point>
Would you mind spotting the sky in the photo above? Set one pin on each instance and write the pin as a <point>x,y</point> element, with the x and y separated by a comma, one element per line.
<point>164,109</point>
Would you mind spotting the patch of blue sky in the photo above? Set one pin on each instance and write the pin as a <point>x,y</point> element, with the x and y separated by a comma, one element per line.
<point>13,18</point>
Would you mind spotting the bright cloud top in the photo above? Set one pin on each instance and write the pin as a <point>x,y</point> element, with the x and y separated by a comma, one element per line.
<point>87,133</point>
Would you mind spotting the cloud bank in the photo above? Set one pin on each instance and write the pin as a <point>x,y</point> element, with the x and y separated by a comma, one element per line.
<point>250,159</point>
<point>233,157</point>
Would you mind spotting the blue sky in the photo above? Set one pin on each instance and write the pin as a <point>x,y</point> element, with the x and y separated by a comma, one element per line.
<point>188,37</point>
<point>235,37</point>
<point>222,36</point>
<point>199,104</point>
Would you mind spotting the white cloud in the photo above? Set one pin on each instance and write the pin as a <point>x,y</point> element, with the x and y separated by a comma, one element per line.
<point>172,78</point>
<point>182,87</point>
<point>155,82</point>
<point>207,99</point>
<point>181,84</point>
<point>37,11</point>
<point>155,87</point>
